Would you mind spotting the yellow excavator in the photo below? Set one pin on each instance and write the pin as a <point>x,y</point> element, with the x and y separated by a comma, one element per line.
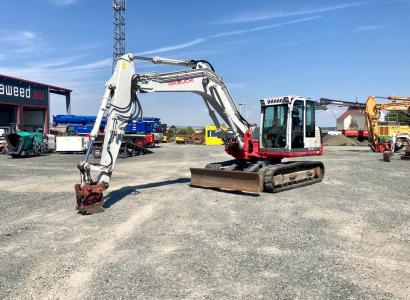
<point>388,132</point>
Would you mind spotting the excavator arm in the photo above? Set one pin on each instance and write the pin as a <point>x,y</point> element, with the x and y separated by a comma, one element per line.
<point>201,80</point>
<point>120,104</point>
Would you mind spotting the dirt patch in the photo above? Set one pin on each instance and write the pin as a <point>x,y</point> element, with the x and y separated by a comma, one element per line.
<point>341,140</point>
<point>271,251</point>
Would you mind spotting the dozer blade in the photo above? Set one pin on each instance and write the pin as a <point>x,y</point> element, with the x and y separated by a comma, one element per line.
<point>230,180</point>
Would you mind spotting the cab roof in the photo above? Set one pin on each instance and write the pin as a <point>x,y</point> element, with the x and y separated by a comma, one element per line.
<point>280,100</point>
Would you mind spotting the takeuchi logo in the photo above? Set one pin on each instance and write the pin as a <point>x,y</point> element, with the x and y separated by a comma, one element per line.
<point>20,92</point>
<point>181,81</point>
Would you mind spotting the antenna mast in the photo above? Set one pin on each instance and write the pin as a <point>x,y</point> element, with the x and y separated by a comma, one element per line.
<point>119,29</point>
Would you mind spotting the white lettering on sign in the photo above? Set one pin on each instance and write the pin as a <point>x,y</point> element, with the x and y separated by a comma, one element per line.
<point>10,90</point>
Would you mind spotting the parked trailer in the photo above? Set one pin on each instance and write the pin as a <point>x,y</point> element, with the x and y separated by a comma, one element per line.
<point>71,144</point>
<point>83,124</point>
<point>129,148</point>
<point>145,129</point>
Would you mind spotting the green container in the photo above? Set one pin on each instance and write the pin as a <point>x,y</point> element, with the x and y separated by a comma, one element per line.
<point>30,140</point>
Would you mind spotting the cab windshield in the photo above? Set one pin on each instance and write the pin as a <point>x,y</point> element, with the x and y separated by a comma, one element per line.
<point>274,126</point>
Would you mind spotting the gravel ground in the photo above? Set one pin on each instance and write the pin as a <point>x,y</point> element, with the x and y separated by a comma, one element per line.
<point>347,237</point>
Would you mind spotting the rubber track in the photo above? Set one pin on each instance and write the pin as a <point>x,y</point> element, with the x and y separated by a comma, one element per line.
<point>271,171</point>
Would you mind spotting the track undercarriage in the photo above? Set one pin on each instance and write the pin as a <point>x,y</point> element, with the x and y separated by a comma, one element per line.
<point>260,176</point>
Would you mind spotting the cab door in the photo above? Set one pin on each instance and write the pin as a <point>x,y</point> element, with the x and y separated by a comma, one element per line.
<point>297,137</point>
<point>303,124</point>
<point>310,125</point>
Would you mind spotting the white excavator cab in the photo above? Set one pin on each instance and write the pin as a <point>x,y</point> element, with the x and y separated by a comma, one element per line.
<point>288,123</point>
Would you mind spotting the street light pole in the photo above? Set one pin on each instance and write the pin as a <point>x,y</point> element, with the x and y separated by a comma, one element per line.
<point>246,109</point>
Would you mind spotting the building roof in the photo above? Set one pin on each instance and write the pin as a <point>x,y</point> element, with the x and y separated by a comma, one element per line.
<point>351,112</point>
<point>52,88</point>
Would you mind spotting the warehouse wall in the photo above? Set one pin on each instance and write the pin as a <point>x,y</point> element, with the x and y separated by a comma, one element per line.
<point>34,120</point>
<point>344,123</point>
<point>8,114</point>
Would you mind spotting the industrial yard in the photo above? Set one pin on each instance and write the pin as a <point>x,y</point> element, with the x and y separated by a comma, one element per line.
<point>158,238</point>
<point>204,150</point>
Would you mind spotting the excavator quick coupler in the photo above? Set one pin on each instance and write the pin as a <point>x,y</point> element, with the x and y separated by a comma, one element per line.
<point>90,198</point>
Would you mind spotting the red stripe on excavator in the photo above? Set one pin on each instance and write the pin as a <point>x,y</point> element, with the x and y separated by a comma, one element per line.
<point>291,153</point>
<point>252,150</point>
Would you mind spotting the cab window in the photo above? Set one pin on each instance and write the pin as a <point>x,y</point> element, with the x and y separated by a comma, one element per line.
<point>310,119</point>
<point>298,119</point>
<point>274,126</point>
<point>211,133</point>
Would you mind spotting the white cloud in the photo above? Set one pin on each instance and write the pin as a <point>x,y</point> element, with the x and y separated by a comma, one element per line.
<point>224,34</point>
<point>61,61</point>
<point>370,27</point>
<point>260,28</point>
<point>97,65</point>
<point>86,80</point>
<point>214,48</point>
<point>63,2</point>
<point>174,47</point>
<point>16,36</point>
<point>18,41</point>
<point>56,72</point>
<point>262,16</point>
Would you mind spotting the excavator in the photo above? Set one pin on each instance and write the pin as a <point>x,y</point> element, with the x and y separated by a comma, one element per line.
<point>287,129</point>
<point>387,135</point>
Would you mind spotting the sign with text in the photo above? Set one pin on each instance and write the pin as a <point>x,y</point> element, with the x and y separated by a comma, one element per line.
<point>15,91</point>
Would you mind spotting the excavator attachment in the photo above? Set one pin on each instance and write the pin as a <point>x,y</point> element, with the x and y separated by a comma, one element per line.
<point>89,198</point>
<point>230,180</point>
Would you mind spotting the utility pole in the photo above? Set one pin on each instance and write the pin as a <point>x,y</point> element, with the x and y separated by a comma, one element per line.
<point>246,109</point>
<point>119,29</point>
